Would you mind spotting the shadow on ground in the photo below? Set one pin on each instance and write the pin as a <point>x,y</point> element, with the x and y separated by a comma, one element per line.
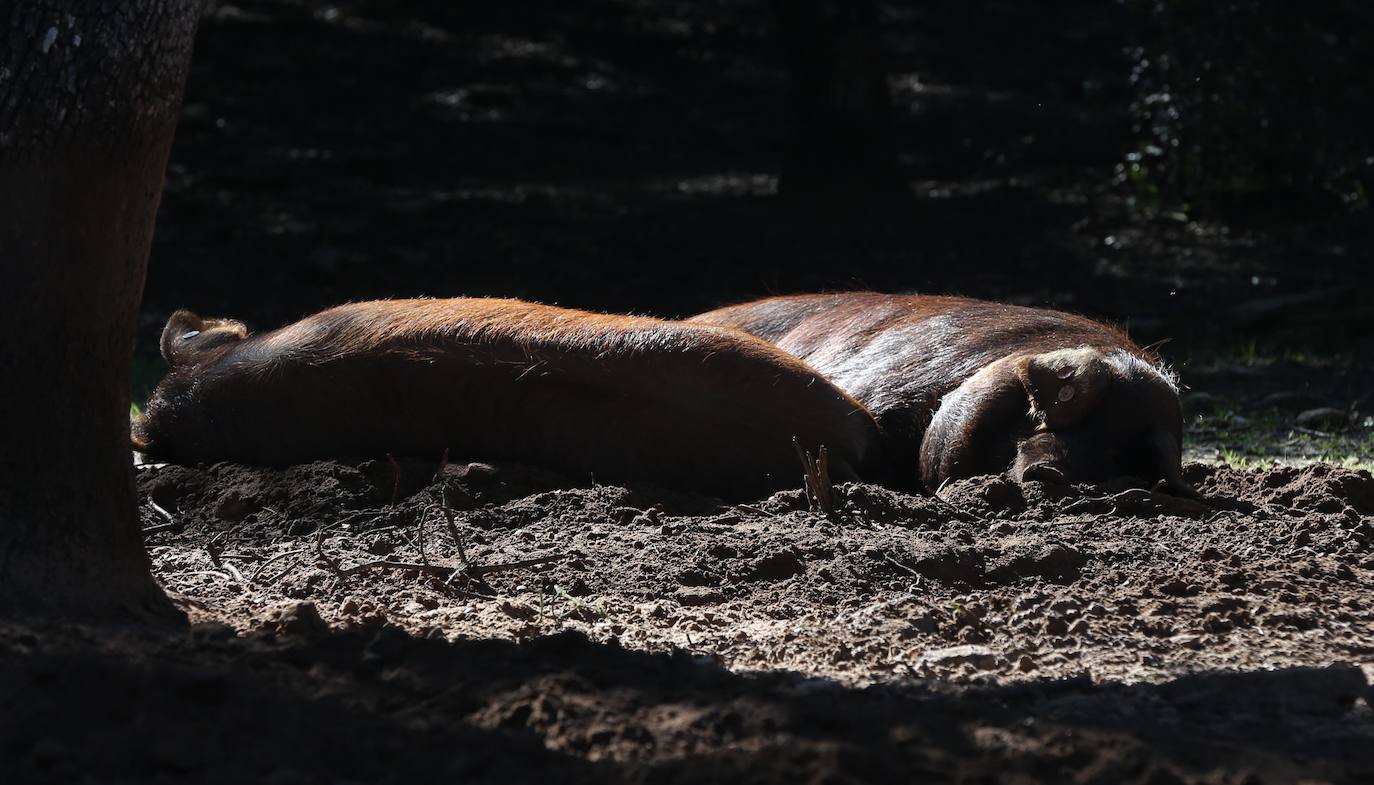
<point>379,706</point>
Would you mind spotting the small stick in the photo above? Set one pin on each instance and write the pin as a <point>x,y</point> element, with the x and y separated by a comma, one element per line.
<point>453,532</point>
<point>441,572</point>
<point>213,549</point>
<point>319,550</point>
<point>358,516</point>
<point>423,519</point>
<point>959,514</point>
<point>278,557</point>
<point>443,464</point>
<point>223,575</point>
<point>820,495</point>
<point>541,601</point>
<point>445,572</point>
<point>157,508</point>
<point>534,561</point>
<point>395,479</point>
<point>825,487</point>
<point>171,522</point>
<point>235,570</point>
<point>276,576</point>
<point>902,567</point>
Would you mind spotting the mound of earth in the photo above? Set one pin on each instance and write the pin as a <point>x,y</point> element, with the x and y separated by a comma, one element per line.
<point>402,621</point>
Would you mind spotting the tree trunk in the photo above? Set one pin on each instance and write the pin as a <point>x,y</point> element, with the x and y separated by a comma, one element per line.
<point>89,94</point>
<point>841,153</point>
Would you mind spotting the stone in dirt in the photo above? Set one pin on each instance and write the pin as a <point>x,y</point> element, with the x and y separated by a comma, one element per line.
<point>297,619</point>
<point>691,596</point>
<point>980,657</point>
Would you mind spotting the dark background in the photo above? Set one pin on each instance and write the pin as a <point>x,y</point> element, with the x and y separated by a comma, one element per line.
<point>1197,171</point>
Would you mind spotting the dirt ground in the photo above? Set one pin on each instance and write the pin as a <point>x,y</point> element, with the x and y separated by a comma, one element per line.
<point>1000,633</point>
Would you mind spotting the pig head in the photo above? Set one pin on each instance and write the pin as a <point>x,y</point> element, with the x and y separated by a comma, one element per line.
<point>1067,415</point>
<point>964,387</point>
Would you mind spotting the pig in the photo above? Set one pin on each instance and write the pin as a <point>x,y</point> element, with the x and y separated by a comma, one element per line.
<point>619,398</point>
<point>964,387</point>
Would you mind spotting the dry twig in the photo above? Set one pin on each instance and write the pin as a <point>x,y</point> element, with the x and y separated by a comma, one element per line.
<point>453,531</point>
<point>171,523</point>
<point>395,479</point>
<point>465,570</point>
<point>215,548</point>
<point>263,565</point>
<point>443,464</point>
<point>963,515</point>
<point>235,571</point>
<point>446,573</point>
<point>820,492</point>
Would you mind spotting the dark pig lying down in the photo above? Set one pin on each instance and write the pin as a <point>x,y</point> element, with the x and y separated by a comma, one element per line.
<point>615,398</point>
<point>905,390</point>
<point>965,387</point>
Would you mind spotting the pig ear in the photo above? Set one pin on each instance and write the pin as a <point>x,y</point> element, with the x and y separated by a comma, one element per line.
<point>977,426</point>
<point>1063,385</point>
<point>187,335</point>
<point>183,326</point>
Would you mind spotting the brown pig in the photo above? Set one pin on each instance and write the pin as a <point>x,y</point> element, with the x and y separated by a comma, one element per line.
<point>613,397</point>
<point>965,387</point>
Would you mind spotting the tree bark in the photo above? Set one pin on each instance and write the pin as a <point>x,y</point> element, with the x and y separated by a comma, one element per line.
<point>89,95</point>
<point>841,152</point>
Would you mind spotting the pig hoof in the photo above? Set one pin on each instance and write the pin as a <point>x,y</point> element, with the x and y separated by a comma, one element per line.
<point>1043,472</point>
